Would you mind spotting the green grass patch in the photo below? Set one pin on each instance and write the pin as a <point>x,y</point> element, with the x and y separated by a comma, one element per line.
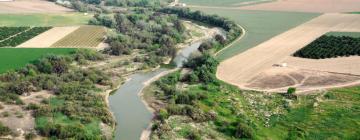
<point>224,3</point>
<point>44,19</point>
<point>259,25</point>
<point>349,34</point>
<point>15,58</point>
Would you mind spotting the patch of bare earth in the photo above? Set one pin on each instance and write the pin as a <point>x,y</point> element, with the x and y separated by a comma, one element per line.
<point>49,37</point>
<point>317,6</point>
<point>31,6</point>
<point>17,118</point>
<point>279,79</point>
<point>243,68</point>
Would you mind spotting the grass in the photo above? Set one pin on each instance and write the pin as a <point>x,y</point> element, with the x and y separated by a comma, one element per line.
<point>260,26</point>
<point>222,3</point>
<point>350,34</point>
<point>15,58</point>
<point>85,36</point>
<point>44,19</point>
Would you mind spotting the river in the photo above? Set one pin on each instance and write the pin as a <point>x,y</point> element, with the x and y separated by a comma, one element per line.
<point>130,112</point>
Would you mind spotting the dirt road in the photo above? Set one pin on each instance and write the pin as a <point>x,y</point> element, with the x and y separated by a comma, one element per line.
<point>243,67</point>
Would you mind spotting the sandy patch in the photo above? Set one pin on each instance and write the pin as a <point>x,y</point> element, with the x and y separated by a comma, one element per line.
<point>31,6</point>
<point>49,37</point>
<point>345,65</point>
<point>243,67</point>
<point>317,6</point>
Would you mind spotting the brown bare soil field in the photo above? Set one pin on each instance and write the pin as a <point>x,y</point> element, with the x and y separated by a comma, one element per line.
<point>279,79</point>
<point>49,37</point>
<point>243,67</point>
<point>345,65</point>
<point>31,6</point>
<point>316,6</point>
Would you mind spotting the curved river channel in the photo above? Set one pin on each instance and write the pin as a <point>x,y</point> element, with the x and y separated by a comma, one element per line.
<point>130,112</point>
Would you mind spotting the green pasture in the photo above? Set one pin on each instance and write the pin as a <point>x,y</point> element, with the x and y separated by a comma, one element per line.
<point>259,25</point>
<point>350,34</point>
<point>67,19</point>
<point>15,58</point>
<point>221,3</point>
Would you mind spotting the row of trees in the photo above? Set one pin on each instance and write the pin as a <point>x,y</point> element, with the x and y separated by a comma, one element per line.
<point>329,47</point>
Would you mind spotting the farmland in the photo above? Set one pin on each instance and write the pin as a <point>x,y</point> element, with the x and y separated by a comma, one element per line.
<point>329,46</point>
<point>348,34</point>
<point>6,32</point>
<point>14,58</point>
<point>85,36</point>
<point>39,19</point>
<point>31,6</point>
<point>253,22</point>
<point>17,39</point>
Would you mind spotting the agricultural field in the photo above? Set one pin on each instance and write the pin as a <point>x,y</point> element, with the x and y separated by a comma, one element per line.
<point>223,3</point>
<point>242,68</point>
<point>21,37</point>
<point>318,6</point>
<point>42,19</point>
<point>14,58</point>
<point>339,34</point>
<point>85,36</point>
<point>330,46</point>
<point>31,6</point>
<point>254,23</point>
<point>6,32</point>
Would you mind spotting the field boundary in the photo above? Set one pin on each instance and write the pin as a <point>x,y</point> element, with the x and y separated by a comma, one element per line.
<point>233,42</point>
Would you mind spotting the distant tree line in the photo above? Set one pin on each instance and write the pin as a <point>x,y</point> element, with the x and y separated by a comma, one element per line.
<point>330,47</point>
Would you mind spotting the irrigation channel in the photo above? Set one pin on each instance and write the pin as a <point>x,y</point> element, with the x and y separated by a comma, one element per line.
<point>130,112</point>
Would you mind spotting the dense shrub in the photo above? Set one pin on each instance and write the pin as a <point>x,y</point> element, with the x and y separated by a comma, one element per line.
<point>329,47</point>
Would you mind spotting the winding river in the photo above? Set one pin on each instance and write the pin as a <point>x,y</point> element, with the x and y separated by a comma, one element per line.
<point>130,112</point>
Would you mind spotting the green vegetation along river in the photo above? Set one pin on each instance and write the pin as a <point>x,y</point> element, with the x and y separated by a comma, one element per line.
<point>131,114</point>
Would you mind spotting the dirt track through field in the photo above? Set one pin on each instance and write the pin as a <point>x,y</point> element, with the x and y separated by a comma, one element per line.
<point>243,67</point>
<point>31,6</point>
<point>49,37</point>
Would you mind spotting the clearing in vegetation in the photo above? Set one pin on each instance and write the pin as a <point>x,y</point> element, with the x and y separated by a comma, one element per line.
<point>243,67</point>
<point>329,46</point>
<point>85,36</point>
<point>49,37</point>
<point>259,25</point>
<point>19,38</point>
<point>14,58</point>
<point>31,6</point>
<point>318,6</point>
<point>67,19</point>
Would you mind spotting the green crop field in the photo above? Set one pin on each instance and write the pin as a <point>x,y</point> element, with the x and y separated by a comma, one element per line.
<point>259,25</point>
<point>223,2</point>
<point>85,36</point>
<point>349,34</point>
<point>14,58</point>
<point>44,19</point>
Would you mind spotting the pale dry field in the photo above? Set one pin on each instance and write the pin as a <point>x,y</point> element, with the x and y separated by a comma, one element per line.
<point>344,65</point>
<point>243,67</point>
<point>317,6</point>
<point>31,6</point>
<point>49,37</point>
